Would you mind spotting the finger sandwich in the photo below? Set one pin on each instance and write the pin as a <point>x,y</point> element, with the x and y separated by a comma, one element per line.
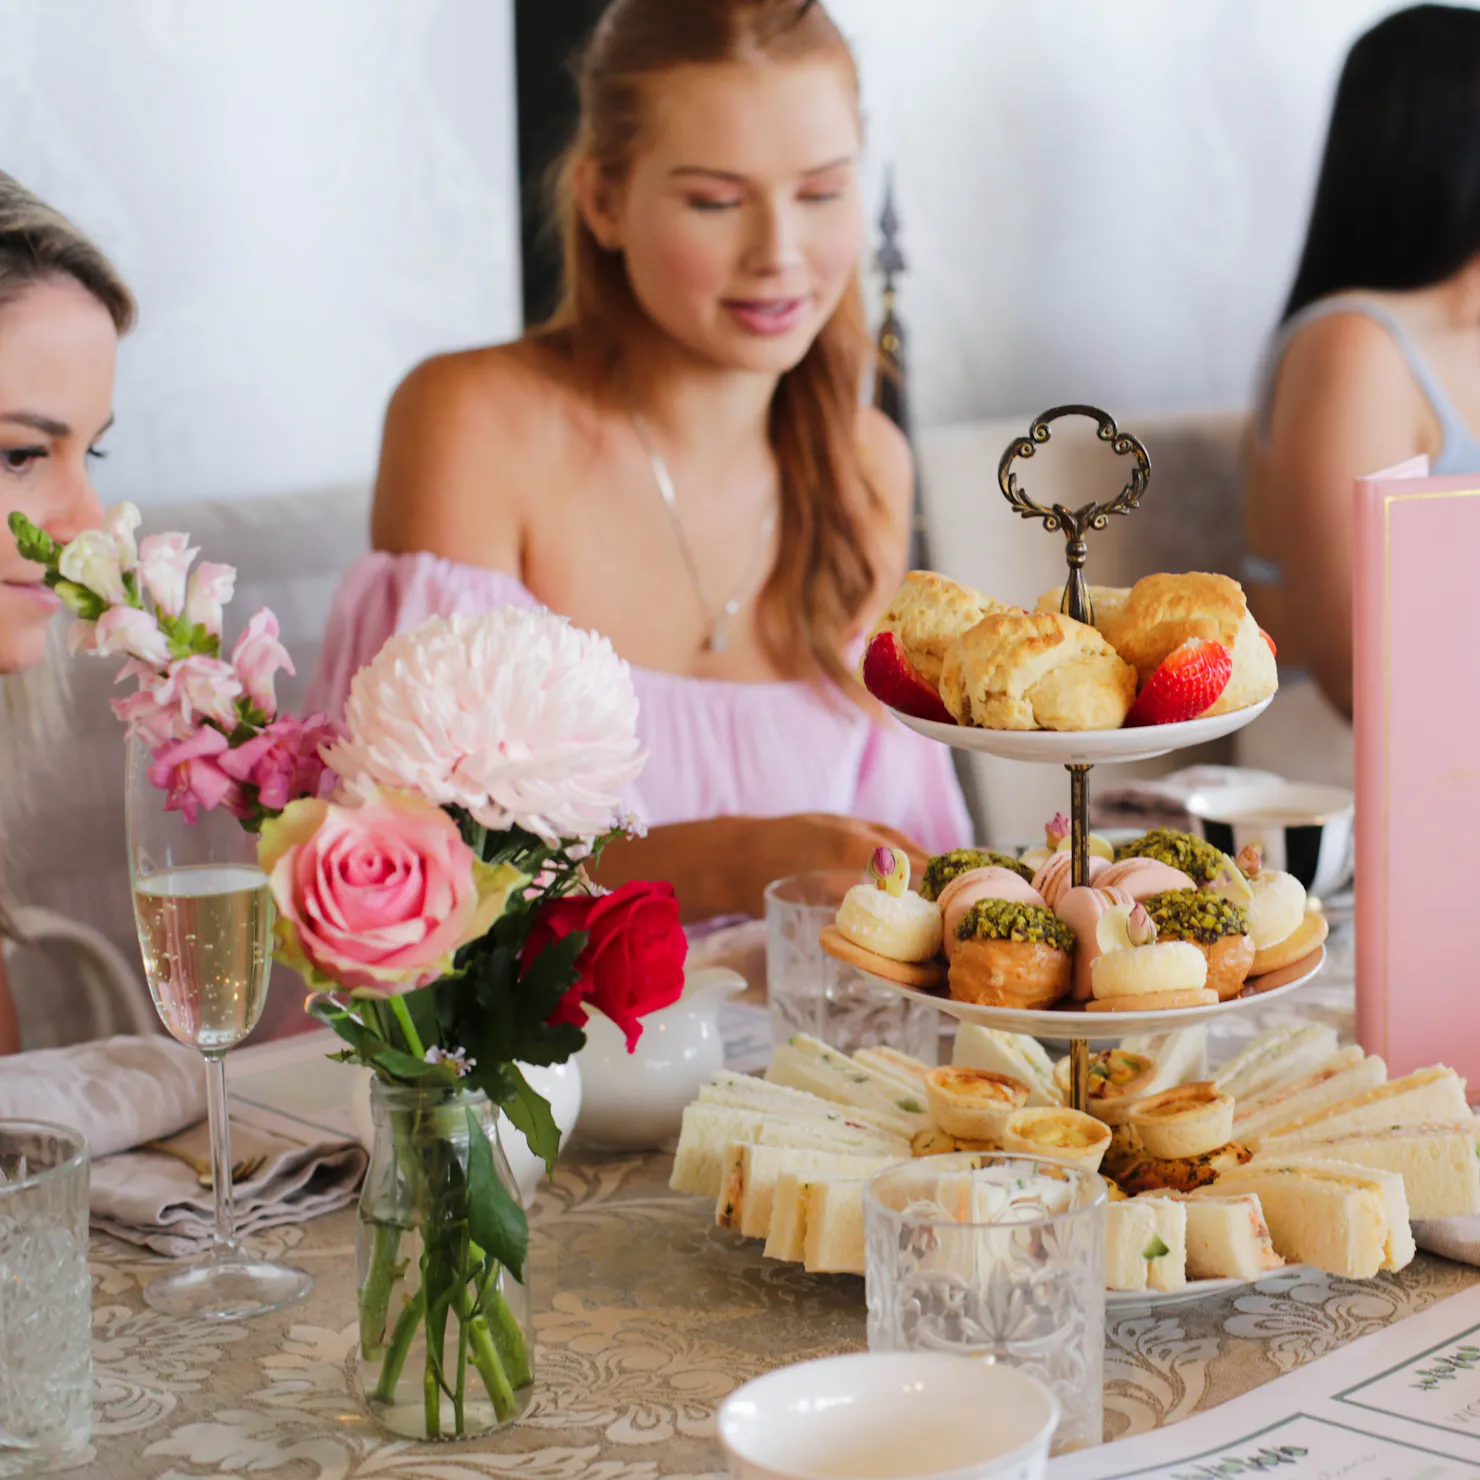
<point>1145,1245</point>
<point>1228,1238</point>
<point>806,1063</point>
<point>1434,1095</point>
<point>745,1199</point>
<point>1288,1051</point>
<point>1346,1073</point>
<point>1015,1055</point>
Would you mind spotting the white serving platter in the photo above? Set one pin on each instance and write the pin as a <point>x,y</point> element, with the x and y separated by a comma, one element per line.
<point>1085,747</point>
<point>1117,1302</point>
<point>1057,1025</point>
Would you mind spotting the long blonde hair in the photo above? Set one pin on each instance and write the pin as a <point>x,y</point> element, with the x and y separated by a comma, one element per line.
<point>823,576</point>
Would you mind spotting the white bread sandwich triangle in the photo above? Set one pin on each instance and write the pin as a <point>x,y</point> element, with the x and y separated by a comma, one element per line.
<point>1438,1164</point>
<point>1014,1054</point>
<point>1167,1269</point>
<point>1180,1057</point>
<point>787,1237</point>
<point>1346,1073</point>
<point>1130,1232</point>
<point>1427,1095</point>
<point>834,1242</point>
<point>746,1092</point>
<point>745,1200</point>
<point>890,1062</point>
<point>1399,1249</point>
<point>1336,1220</point>
<point>1287,1051</point>
<point>708,1130</point>
<point>806,1063</point>
<point>1227,1238</point>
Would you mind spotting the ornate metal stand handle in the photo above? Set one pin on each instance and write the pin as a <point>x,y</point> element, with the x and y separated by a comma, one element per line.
<point>1076,523</point>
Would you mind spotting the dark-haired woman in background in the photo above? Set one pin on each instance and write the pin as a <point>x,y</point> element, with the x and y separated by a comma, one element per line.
<point>1378,357</point>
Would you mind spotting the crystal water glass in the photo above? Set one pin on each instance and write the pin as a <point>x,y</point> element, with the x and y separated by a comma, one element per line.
<point>998,1257</point>
<point>45,1295</point>
<point>811,992</point>
<point>205,920</point>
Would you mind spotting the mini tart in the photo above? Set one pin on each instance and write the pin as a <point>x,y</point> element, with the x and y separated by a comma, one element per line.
<point>1199,860</point>
<point>1187,1121</point>
<point>1114,1073</point>
<point>901,927</point>
<point>1065,1135</point>
<point>1310,933</point>
<point>947,866</point>
<point>1011,955</point>
<point>973,1104</point>
<point>1220,930</point>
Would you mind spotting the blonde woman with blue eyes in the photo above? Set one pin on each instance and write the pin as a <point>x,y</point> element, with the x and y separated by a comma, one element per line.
<point>62,310</point>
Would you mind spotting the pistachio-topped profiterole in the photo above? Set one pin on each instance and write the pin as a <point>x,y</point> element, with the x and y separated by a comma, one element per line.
<point>1200,861</point>
<point>1195,915</point>
<point>947,866</point>
<point>1004,919</point>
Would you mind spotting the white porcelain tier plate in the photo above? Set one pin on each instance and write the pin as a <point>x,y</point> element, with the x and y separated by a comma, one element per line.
<point>1056,1026</point>
<point>1117,1301</point>
<point>1085,747</point>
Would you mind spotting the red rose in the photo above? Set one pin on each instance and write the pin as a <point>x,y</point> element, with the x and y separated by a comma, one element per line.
<point>633,960</point>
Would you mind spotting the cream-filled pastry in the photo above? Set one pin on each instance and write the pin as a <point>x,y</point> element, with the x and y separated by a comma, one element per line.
<point>966,890</point>
<point>1143,877</point>
<point>1056,877</point>
<point>884,917</point>
<point>1135,968</point>
<point>1218,929</point>
<point>1057,838</point>
<point>1081,910</point>
<point>1274,901</point>
<point>1011,955</point>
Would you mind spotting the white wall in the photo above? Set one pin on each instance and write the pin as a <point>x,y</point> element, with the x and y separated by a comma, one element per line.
<point>306,195</point>
<point>1101,201</point>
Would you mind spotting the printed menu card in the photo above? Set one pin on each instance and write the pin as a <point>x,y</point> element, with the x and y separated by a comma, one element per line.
<point>1401,1404</point>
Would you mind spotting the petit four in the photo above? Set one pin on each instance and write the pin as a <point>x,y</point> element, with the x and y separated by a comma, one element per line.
<point>1219,930</point>
<point>882,927</point>
<point>1058,838</point>
<point>1081,909</point>
<point>1011,955</point>
<point>966,890</point>
<point>1198,859</point>
<point>1137,972</point>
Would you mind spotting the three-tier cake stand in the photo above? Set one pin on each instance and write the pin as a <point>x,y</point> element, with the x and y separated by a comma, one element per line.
<point>1078,752</point>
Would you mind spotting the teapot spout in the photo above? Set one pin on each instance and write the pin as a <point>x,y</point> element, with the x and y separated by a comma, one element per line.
<point>712,985</point>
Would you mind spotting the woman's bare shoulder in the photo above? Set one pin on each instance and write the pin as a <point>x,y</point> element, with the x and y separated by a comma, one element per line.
<point>468,435</point>
<point>1344,357</point>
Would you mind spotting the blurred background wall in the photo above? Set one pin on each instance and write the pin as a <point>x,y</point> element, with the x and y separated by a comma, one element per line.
<point>1100,202</point>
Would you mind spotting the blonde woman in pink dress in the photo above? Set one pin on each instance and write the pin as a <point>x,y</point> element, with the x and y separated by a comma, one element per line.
<point>681,460</point>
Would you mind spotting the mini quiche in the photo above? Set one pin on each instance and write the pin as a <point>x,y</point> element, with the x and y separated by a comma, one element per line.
<point>973,1104</point>
<point>1114,1074</point>
<point>1063,1135</point>
<point>1186,1121</point>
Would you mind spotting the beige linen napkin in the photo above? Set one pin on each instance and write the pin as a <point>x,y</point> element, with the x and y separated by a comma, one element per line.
<point>116,1091</point>
<point>145,1197</point>
<point>1451,1238</point>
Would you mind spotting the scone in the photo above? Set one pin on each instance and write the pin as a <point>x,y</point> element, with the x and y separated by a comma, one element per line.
<point>928,613</point>
<point>1019,670</point>
<point>1162,612</point>
<point>1105,602</point>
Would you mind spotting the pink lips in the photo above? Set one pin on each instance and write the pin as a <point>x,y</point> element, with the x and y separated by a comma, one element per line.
<point>43,596</point>
<point>767,316</point>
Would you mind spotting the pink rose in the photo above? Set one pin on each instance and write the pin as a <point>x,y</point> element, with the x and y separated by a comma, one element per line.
<point>126,629</point>
<point>257,657</point>
<point>189,773</point>
<point>283,762</point>
<point>376,896</point>
<point>211,587</point>
<point>163,562</point>
<point>208,689</point>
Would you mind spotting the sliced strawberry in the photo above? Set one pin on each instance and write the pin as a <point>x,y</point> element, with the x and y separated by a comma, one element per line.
<point>892,679</point>
<point>1274,652</point>
<point>1188,682</point>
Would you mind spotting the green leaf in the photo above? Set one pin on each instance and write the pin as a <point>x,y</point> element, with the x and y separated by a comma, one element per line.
<point>530,1112</point>
<point>81,602</point>
<point>495,1219</point>
<point>370,1048</point>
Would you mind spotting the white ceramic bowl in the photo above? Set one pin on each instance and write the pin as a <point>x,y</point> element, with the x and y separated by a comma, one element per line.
<point>889,1416</point>
<point>1303,829</point>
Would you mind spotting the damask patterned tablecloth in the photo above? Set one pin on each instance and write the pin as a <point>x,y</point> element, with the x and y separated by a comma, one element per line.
<point>646,1316</point>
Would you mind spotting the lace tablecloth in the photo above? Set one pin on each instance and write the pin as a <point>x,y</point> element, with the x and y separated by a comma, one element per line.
<point>646,1317</point>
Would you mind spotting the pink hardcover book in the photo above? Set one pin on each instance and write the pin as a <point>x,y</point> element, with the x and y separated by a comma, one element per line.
<point>1417,716</point>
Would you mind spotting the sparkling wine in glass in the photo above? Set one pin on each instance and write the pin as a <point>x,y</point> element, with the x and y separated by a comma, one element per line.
<point>205,920</point>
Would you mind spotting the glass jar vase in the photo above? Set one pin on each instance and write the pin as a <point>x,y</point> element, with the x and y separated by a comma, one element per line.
<point>446,1347</point>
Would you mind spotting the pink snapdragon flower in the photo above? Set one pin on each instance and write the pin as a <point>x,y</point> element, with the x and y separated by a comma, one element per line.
<point>189,773</point>
<point>92,561</point>
<point>208,688</point>
<point>283,761</point>
<point>257,657</point>
<point>120,522</point>
<point>153,712</point>
<point>211,587</point>
<point>130,631</point>
<point>164,560</point>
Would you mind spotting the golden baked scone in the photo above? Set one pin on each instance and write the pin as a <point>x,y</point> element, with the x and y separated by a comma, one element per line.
<point>928,613</point>
<point>1017,670</point>
<point>1106,602</point>
<point>1161,612</point>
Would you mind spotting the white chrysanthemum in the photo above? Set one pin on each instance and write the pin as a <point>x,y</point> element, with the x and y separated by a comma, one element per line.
<point>514,715</point>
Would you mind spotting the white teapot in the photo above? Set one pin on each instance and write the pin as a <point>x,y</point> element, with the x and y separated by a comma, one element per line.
<point>635,1102</point>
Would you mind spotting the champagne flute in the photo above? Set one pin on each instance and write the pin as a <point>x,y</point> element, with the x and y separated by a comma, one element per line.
<point>205,918</point>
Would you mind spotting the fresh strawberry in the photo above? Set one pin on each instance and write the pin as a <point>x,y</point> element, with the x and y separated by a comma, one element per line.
<point>1274,652</point>
<point>892,679</point>
<point>1188,682</point>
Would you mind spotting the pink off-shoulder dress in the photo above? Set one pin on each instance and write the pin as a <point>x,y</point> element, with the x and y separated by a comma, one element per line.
<point>715,747</point>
